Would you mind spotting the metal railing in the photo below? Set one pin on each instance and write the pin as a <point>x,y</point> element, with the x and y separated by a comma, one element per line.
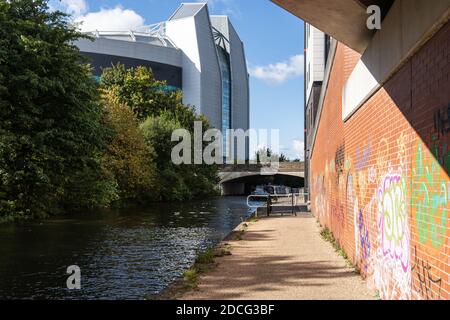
<point>278,203</point>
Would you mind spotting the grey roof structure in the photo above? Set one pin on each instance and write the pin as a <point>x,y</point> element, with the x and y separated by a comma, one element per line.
<point>187,10</point>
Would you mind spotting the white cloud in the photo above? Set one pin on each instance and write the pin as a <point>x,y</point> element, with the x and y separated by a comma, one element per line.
<point>280,72</point>
<point>116,19</point>
<point>298,149</point>
<point>107,19</point>
<point>75,7</point>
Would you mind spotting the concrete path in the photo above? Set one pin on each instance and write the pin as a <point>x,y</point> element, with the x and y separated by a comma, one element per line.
<point>281,258</point>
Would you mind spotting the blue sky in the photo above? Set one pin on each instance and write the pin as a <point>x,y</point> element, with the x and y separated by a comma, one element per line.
<point>273,40</point>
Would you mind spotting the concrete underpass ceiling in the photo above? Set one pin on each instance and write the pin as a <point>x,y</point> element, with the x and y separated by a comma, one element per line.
<point>344,20</point>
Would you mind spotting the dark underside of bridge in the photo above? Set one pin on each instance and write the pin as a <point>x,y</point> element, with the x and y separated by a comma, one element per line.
<point>246,185</point>
<point>344,20</point>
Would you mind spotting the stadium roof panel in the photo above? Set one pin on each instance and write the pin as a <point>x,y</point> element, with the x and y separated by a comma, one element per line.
<point>186,10</point>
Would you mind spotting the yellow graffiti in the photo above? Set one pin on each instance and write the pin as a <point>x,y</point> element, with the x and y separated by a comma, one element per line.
<point>383,154</point>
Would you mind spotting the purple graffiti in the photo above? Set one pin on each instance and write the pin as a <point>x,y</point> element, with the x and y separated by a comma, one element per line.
<point>362,158</point>
<point>364,240</point>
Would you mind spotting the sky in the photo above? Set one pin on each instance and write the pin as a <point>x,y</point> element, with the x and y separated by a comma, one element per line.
<point>273,40</point>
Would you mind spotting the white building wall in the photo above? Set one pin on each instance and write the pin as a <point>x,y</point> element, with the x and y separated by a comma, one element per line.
<point>202,85</point>
<point>184,35</point>
<point>315,57</point>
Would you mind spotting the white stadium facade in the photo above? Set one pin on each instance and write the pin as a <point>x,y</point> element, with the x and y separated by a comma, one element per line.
<point>200,54</point>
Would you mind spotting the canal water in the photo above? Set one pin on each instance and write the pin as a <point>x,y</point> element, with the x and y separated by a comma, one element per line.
<point>123,254</point>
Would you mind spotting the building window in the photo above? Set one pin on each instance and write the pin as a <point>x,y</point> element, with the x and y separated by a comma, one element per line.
<point>308,74</point>
<point>225,68</point>
<point>307,36</point>
<point>327,48</point>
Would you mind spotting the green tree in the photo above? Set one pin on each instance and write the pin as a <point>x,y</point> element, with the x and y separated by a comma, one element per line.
<point>51,136</point>
<point>177,182</point>
<point>262,154</point>
<point>160,113</point>
<point>265,154</point>
<point>158,132</point>
<point>138,88</point>
<point>128,158</point>
<point>283,158</point>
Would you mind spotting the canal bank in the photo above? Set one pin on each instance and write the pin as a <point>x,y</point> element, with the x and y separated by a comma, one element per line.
<point>279,258</point>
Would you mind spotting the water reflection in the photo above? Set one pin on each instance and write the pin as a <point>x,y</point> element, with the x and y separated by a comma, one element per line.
<point>123,254</point>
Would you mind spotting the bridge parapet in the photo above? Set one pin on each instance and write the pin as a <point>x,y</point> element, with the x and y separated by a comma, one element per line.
<point>284,167</point>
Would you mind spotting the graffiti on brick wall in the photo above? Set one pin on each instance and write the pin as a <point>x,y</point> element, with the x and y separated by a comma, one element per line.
<point>384,256</point>
<point>383,155</point>
<point>402,142</point>
<point>396,193</point>
<point>320,194</point>
<point>361,208</point>
<point>430,198</point>
<point>430,188</point>
<point>393,218</point>
<point>338,206</point>
<point>364,175</point>
<point>362,218</point>
<point>424,281</point>
<point>390,280</point>
<point>392,263</point>
<point>376,191</point>
<point>362,157</point>
<point>339,163</point>
<point>364,250</point>
<point>372,175</point>
<point>337,209</point>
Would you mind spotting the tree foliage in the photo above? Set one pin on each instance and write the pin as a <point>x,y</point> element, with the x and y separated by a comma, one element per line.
<point>50,130</point>
<point>266,154</point>
<point>177,182</point>
<point>62,146</point>
<point>161,113</point>
<point>129,158</point>
<point>138,88</point>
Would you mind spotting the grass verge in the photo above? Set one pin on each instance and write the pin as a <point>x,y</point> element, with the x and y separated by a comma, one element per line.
<point>328,236</point>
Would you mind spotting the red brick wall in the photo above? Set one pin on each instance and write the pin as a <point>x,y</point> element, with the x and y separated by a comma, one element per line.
<point>380,181</point>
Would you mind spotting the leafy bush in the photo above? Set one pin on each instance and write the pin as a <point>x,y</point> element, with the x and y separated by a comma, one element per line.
<point>129,159</point>
<point>51,134</point>
<point>206,257</point>
<point>138,88</point>
<point>161,113</point>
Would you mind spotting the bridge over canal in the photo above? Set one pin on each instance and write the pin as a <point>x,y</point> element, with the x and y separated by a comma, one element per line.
<point>241,179</point>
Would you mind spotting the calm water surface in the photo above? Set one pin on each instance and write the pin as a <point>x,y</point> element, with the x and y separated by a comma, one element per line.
<point>125,254</point>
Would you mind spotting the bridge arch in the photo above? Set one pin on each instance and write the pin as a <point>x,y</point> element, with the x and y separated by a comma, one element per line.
<point>245,183</point>
<point>241,179</point>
